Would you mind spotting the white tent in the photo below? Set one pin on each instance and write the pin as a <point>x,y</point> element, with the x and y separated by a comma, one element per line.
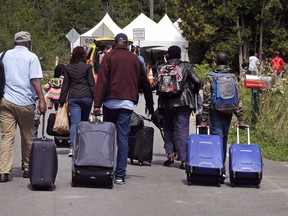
<point>105,28</point>
<point>142,21</point>
<point>158,36</point>
<point>171,35</point>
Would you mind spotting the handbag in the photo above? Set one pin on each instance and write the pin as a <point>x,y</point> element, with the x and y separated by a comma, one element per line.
<point>61,125</point>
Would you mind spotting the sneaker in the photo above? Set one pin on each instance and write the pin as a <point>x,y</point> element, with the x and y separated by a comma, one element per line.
<point>70,153</point>
<point>119,181</point>
<point>168,162</point>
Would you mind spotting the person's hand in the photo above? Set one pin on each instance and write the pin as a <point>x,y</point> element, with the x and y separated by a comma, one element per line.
<point>97,111</point>
<point>42,107</point>
<point>203,124</point>
<point>241,124</point>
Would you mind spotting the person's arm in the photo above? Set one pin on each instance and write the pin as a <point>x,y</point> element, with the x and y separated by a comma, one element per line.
<point>206,99</point>
<point>147,91</point>
<point>36,82</point>
<point>195,79</point>
<point>239,111</point>
<point>64,89</point>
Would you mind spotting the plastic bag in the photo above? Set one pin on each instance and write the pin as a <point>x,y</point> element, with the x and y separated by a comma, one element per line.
<point>61,125</point>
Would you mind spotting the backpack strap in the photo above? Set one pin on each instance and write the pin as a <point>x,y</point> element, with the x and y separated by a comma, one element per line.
<point>2,56</point>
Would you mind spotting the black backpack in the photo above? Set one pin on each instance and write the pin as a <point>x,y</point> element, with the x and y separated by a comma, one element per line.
<point>2,76</point>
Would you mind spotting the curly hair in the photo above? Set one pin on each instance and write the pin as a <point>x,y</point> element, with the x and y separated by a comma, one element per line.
<point>78,54</point>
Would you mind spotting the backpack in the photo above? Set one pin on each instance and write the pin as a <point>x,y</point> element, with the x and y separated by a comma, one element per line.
<point>224,97</point>
<point>2,76</point>
<point>170,80</point>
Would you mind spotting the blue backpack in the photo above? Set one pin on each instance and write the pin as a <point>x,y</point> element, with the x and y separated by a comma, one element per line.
<point>224,96</point>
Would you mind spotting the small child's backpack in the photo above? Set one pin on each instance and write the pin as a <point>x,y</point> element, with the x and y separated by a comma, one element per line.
<point>170,80</point>
<point>224,97</point>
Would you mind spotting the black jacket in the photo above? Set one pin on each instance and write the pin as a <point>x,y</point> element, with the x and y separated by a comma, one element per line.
<point>191,87</point>
<point>78,82</point>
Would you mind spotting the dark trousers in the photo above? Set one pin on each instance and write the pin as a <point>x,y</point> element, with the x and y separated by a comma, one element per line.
<point>176,130</point>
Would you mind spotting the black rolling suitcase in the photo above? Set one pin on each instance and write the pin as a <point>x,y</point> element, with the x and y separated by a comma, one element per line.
<point>60,140</point>
<point>141,145</point>
<point>43,163</point>
<point>94,159</point>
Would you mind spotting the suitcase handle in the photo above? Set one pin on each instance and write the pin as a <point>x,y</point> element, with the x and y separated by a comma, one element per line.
<point>248,134</point>
<point>43,128</point>
<point>199,126</point>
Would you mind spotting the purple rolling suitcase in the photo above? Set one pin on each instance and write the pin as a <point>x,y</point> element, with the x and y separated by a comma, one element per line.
<point>204,158</point>
<point>43,162</point>
<point>245,162</point>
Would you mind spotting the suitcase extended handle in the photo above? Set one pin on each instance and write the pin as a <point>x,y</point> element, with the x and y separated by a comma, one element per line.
<point>43,128</point>
<point>248,134</point>
<point>199,126</point>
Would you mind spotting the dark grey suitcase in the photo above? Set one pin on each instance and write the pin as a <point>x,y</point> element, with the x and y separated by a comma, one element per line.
<point>43,163</point>
<point>141,145</point>
<point>94,154</point>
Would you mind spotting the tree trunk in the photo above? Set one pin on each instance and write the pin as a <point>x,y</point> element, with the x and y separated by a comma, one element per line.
<point>240,49</point>
<point>261,31</point>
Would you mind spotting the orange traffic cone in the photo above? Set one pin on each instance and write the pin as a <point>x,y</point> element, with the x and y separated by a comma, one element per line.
<point>150,76</point>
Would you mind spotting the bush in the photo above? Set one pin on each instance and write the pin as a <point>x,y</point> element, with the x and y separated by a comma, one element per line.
<point>271,126</point>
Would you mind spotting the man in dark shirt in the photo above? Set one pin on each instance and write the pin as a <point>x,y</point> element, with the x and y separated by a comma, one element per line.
<point>120,77</point>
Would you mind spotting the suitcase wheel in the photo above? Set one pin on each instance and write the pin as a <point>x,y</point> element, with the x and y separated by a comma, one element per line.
<point>189,183</point>
<point>232,184</point>
<point>218,184</point>
<point>258,186</point>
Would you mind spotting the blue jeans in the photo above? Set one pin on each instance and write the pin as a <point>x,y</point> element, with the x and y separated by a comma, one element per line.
<point>176,130</point>
<point>121,118</point>
<point>220,123</point>
<point>80,109</point>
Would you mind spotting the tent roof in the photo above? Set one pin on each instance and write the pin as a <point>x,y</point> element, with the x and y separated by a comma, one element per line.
<point>142,21</point>
<point>105,28</point>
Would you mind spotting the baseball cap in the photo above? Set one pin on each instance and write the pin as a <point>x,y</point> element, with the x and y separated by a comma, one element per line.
<point>277,52</point>
<point>22,37</point>
<point>121,36</point>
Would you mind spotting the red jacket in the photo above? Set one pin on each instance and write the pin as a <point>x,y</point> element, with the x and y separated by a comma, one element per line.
<point>121,76</point>
<point>277,64</point>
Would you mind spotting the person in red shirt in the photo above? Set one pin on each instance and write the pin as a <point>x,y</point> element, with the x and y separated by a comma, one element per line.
<point>277,64</point>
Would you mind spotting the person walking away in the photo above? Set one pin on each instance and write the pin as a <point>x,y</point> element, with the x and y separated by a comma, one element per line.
<point>107,49</point>
<point>120,78</point>
<point>53,87</point>
<point>23,74</point>
<point>254,64</point>
<point>176,108</point>
<point>136,51</point>
<point>277,64</point>
<point>220,117</point>
<point>78,87</point>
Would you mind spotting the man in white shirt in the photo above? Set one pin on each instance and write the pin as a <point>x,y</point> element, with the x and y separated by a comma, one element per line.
<point>254,64</point>
<point>23,76</point>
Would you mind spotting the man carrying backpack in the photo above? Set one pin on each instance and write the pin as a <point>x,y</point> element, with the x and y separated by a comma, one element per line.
<point>221,100</point>
<point>176,83</point>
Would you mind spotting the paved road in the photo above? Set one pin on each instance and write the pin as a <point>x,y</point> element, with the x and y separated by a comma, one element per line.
<point>149,191</point>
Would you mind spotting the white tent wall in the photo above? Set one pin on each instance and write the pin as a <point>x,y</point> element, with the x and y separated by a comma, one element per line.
<point>105,28</point>
<point>158,36</point>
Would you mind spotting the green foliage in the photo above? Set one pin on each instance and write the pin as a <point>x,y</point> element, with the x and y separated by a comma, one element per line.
<point>270,130</point>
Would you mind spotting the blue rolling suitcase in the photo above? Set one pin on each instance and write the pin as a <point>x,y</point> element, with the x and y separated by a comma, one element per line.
<point>245,162</point>
<point>205,158</point>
